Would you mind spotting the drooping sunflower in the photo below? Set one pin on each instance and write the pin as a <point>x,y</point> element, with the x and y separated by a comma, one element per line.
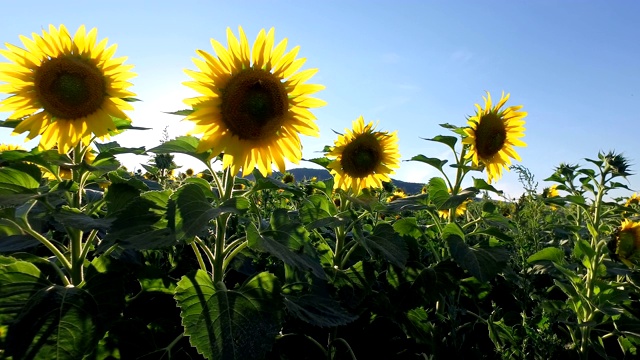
<point>492,134</point>
<point>625,243</point>
<point>364,158</point>
<point>254,103</point>
<point>64,87</point>
<point>633,199</point>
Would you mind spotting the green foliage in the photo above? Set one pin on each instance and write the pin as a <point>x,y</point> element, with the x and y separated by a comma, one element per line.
<point>230,324</point>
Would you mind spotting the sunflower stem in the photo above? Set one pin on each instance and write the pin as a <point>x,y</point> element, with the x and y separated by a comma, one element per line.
<point>341,234</point>
<point>225,190</point>
<point>201,263</point>
<point>75,235</point>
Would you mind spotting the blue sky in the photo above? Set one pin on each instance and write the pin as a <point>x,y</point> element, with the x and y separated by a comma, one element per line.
<point>410,65</point>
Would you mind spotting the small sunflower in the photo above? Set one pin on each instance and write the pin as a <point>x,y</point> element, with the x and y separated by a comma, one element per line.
<point>633,199</point>
<point>288,178</point>
<point>64,88</point>
<point>363,157</point>
<point>254,103</point>
<point>460,210</point>
<point>397,194</point>
<point>551,191</point>
<point>625,243</point>
<point>492,134</point>
<point>10,147</point>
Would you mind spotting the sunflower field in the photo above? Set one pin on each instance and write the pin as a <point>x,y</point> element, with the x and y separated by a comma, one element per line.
<point>232,262</point>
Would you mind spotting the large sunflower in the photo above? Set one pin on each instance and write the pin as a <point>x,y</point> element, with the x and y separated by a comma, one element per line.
<point>254,103</point>
<point>363,157</point>
<point>64,88</point>
<point>493,133</point>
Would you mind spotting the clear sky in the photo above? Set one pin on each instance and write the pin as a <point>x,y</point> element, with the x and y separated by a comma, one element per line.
<point>410,65</point>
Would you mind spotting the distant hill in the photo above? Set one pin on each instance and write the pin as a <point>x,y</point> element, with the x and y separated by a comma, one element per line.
<point>322,174</point>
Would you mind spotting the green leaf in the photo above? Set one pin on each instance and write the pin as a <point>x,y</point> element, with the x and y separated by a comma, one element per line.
<point>196,211</point>
<point>263,183</point>
<point>230,324</point>
<point>438,191</point>
<point>104,281</point>
<point>481,184</point>
<point>81,221</point>
<point>185,112</point>
<point>183,145</point>
<point>12,243</point>
<point>495,232</point>
<point>119,196</point>
<point>145,223</point>
<point>408,227</point>
<point>481,262</point>
<point>318,211</point>
<point>19,280</point>
<point>388,244</point>
<point>113,148</point>
<point>281,244</point>
<point>583,248</point>
<point>17,178</point>
<point>418,325</point>
<point>553,254</point>
<point>317,310</point>
<point>447,140</point>
<point>323,161</point>
<point>56,323</point>
<point>435,162</point>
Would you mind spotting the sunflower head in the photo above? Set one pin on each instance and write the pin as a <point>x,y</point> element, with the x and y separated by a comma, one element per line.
<point>460,210</point>
<point>65,88</point>
<point>288,178</point>
<point>492,134</point>
<point>633,199</point>
<point>398,193</point>
<point>254,103</point>
<point>364,157</point>
<point>551,191</point>
<point>625,243</point>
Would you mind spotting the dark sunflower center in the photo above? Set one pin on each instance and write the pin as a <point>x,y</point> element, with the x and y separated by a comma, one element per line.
<point>490,135</point>
<point>69,88</point>
<point>254,104</point>
<point>361,156</point>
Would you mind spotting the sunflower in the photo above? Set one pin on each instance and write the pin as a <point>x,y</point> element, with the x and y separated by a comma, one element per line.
<point>363,157</point>
<point>10,147</point>
<point>254,103</point>
<point>64,88</point>
<point>460,210</point>
<point>633,199</point>
<point>398,193</point>
<point>625,243</point>
<point>551,191</point>
<point>492,134</point>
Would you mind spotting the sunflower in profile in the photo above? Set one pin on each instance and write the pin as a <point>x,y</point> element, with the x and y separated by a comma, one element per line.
<point>492,134</point>
<point>10,147</point>
<point>364,158</point>
<point>64,87</point>
<point>633,199</point>
<point>625,243</point>
<point>254,103</point>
